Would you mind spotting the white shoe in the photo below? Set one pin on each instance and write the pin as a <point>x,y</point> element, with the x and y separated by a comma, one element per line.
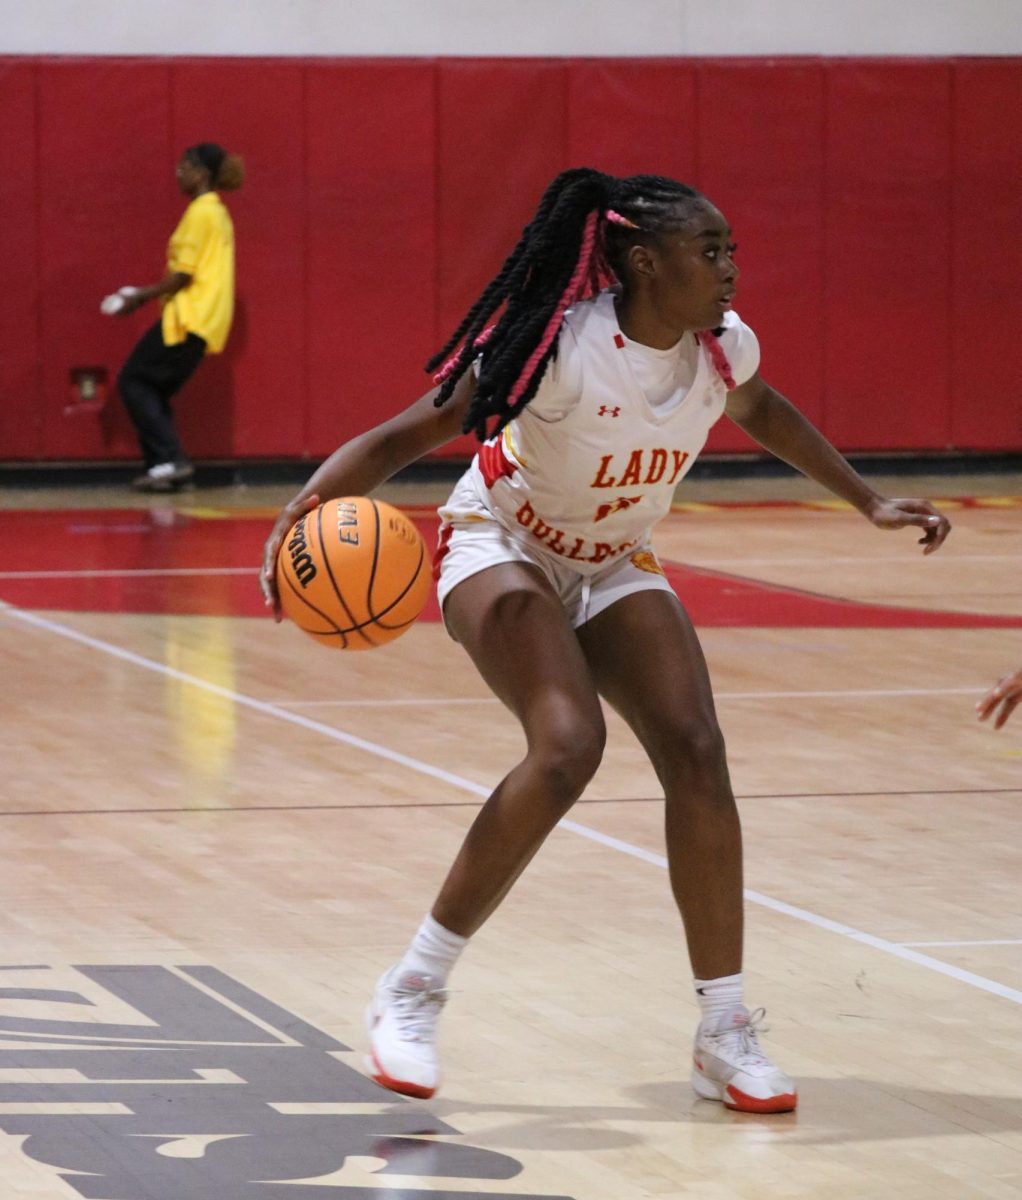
<point>164,477</point>
<point>402,1033</point>
<point>728,1065</point>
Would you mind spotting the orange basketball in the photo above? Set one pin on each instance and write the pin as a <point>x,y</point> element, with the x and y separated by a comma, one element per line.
<point>353,573</point>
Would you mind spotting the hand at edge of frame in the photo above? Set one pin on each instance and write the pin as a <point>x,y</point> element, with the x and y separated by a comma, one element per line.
<point>1006,696</point>
<point>268,574</point>
<point>896,514</point>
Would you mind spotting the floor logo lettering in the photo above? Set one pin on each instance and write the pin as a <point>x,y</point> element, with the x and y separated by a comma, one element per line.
<point>196,1088</point>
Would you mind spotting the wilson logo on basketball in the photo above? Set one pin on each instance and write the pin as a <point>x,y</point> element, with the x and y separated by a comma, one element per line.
<point>301,560</point>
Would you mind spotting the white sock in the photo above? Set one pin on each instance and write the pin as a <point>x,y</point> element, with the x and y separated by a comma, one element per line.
<point>433,952</point>
<point>717,996</point>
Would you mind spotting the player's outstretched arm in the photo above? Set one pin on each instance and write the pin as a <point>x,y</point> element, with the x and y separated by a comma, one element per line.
<point>773,421</point>
<point>172,282</point>
<point>1002,699</point>
<point>362,464</point>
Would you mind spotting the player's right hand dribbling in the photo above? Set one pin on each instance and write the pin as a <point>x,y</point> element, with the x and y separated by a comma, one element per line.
<point>268,575</point>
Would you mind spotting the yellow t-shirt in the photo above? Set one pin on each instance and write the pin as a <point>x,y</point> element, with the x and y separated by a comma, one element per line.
<point>202,246</point>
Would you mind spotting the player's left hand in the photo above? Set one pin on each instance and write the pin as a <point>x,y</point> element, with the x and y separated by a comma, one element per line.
<point>268,575</point>
<point>896,514</point>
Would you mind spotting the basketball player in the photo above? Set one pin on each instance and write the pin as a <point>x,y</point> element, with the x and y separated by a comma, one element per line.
<point>197,299</point>
<point>593,401</point>
<point>1003,699</point>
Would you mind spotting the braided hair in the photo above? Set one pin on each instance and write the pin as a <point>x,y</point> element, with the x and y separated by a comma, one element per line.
<point>575,245</point>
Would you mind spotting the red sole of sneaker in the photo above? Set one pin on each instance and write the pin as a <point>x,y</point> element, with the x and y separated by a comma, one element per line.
<point>740,1102</point>
<point>399,1085</point>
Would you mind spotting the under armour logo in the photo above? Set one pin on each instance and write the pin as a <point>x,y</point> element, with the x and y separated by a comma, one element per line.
<point>604,411</point>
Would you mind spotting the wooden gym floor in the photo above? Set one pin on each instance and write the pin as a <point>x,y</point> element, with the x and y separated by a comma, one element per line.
<point>217,834</point>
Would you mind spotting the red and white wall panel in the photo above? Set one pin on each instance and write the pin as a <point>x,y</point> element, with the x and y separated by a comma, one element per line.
<point>875,201</point>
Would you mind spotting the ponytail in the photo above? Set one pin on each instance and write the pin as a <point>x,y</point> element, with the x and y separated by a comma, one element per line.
<point>226,171</point>
<point>231,175</point>
<point>574,247</point>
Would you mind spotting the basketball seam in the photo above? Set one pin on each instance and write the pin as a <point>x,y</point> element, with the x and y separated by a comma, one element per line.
<point>376,559</point>
<point>397,600</point>
<point>376,621</point>
<point>374,616</point>
<point>366,624</point>
<point>338,631</point>
<point>333,581</point>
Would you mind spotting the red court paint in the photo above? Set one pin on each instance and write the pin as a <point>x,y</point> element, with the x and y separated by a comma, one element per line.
<point>125,562</point>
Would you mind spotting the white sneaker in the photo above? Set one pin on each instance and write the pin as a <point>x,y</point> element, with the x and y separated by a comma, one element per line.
<point>728,1065</point>
<point>163,477</point>
<point>402,1033</point>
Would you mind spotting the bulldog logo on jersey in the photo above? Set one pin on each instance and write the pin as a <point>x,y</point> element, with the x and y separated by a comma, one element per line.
<point>646,560</point>
<point>618,505</point>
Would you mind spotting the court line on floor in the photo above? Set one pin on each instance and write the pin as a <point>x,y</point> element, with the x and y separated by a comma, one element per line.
<point>905,953</point>
<point>895,693</point>
<point>385,703</point>
<point>592,801</point>
<point>985,942</point>
<point>127,572</point>
<point>842,560</point>
<point>713,563</point>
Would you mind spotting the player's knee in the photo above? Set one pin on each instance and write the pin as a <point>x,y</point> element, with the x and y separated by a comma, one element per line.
<point>695,751</point>
<point>568,758</point>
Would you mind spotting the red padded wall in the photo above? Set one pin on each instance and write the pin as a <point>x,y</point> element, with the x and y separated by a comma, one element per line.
<point>106,206</point>
<point>987,255</point>
<point>887,254</point>
<point>501,138</point>
<point>875,202</point>
<point>20,417</point>
<point>632,118</point>
<point>771,190</point>
<point>369,243</point>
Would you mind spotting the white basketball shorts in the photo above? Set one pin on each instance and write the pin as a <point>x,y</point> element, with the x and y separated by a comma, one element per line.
<point>465,550</point>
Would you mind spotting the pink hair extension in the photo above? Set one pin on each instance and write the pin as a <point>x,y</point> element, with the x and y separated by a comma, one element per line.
<point>717,356</point>
<point>600,274</point>
<point>576,289</point>
<point>592,275</point>
<point>617,219</point>
<point>452,362</point>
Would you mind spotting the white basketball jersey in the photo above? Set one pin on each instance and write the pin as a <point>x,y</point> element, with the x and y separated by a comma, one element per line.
<point>588,483</point>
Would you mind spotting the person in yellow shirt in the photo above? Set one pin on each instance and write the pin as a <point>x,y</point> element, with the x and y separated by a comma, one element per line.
<point>197,300</point>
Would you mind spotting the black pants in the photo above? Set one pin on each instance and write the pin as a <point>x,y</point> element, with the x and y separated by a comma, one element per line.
<point>152,374</point>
